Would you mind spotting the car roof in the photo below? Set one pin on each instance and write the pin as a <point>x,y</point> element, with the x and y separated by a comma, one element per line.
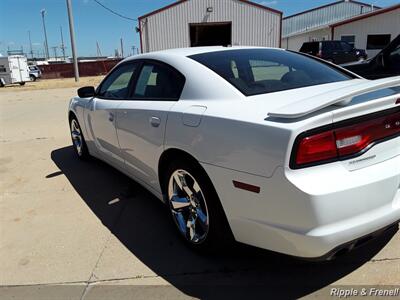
<point>325,42</point>
<point>185,52</point>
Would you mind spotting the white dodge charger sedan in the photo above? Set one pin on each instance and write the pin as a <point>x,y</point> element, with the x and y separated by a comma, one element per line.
<point>264,146</point>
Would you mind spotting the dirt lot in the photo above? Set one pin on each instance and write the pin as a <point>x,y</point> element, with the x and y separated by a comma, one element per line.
<point>52,84</point>
<point>81,230</point>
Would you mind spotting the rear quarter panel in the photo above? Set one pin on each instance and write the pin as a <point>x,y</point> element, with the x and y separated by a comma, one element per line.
<point>237,135</point>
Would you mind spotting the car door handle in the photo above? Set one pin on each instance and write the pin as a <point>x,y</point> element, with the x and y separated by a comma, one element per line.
<point>155,121</point>
<point>111,117</point>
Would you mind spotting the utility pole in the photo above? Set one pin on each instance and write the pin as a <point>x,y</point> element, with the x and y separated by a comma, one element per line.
<point>72,34</point>
<point>133,49</point>
<point>62,43</point>
<point>30,43</point>
<point>122,48</point>
<point>98,49</point>
<point>43,11</point>
<point>55,51</point>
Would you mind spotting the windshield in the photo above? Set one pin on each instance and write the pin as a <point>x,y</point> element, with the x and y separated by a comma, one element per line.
<point>260,71</point>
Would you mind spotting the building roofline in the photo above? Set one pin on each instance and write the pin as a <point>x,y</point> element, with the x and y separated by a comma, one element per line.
<point>367,15</point>
<point>162,9</point>
<point>326,26</point>
<point>262,6</point>
<point>182,1</point>
<point>329,4</point>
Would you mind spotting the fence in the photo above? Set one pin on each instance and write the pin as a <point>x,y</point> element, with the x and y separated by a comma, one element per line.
<point>66,70</point>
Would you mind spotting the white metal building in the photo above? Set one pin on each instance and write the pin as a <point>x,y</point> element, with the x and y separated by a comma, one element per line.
<point>189,23</point>
<point>314,24</point>
<point>372,31</point>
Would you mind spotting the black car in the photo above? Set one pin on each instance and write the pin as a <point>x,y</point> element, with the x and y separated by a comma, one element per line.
<point>385,64</point>
<point>338,52</point>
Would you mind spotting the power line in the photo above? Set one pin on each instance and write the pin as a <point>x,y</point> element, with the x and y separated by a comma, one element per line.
<point>114,12</point>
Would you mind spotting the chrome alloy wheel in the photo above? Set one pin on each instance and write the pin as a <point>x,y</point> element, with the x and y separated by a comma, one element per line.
<point>76,135</point>
<point>188,206</point>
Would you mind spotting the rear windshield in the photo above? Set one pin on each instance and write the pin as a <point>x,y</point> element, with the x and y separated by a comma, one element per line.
<point>260,71</point>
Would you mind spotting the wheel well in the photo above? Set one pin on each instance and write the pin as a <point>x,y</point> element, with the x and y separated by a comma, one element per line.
<point>170,155</point>
<point>71,115</point>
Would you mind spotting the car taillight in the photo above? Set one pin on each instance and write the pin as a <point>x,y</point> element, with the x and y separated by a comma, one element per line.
<point>344,140</point>
<point>316,148</point>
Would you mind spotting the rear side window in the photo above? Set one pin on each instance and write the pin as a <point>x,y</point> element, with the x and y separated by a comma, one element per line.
<point>158,81</point>
<point>311,48</point>
<point>345,46</point>
<point>260,71</point>
<point>350,39</point>
<point>330,46</point>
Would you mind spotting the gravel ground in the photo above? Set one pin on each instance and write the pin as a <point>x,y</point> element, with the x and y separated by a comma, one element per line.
<point>46,84</point>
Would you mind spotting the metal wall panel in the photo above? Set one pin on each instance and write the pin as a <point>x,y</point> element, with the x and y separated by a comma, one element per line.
<point>296,41</point>
<point>322,17</point>
<point>251,25</point>
<point>385,23</point>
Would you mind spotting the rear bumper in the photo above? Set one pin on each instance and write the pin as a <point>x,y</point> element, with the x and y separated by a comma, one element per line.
<point>341,249</point>
<point>310,213</point>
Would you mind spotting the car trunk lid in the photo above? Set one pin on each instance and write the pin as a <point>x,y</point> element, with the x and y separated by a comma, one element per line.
<point>344,97</point>
<point>364,129</point>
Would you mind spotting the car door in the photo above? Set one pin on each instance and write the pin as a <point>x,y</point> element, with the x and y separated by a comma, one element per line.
<point>141,120</point>
<point>101,113</point>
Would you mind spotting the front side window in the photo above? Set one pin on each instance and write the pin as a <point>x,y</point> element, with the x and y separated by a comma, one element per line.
<point>346,47</point>
<point>260,71</point>
<point>158,81</point>
<point>328,46</point>
<point>116,85</point>
<point>350,39</point>
<point>267,70</point>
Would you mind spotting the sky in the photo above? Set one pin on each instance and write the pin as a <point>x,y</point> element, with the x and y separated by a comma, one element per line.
<point>94,24</point>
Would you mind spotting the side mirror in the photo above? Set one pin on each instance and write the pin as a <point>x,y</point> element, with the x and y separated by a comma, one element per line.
<point>86,92</point>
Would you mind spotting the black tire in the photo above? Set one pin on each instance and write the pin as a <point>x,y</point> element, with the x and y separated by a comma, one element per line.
<point>22,83</point>
<point>79,144</point>
<point>33,78</point>
<point>219,234</point>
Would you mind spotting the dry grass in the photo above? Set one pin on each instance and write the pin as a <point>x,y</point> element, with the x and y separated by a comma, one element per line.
<point>44,84</point>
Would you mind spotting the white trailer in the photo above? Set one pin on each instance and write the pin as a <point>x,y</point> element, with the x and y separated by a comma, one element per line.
<point>14,69</point>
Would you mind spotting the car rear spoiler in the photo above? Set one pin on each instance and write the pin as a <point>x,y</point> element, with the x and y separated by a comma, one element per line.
<point>340,97</point>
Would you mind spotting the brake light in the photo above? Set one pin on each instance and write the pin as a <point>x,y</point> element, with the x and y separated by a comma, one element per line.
<point>342,141</point>
<point>316,147</point>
